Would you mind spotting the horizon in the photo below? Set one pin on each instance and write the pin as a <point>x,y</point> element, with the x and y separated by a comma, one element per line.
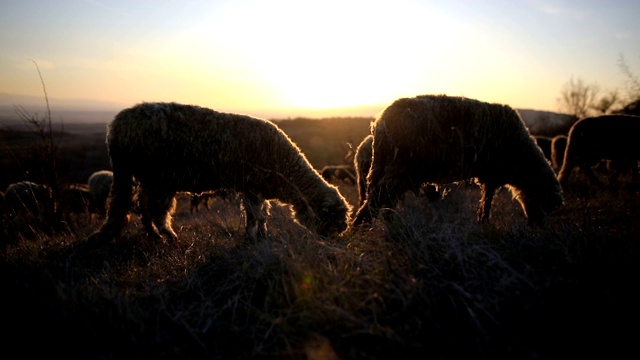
<point>36,104</point>
<point>298,58</point>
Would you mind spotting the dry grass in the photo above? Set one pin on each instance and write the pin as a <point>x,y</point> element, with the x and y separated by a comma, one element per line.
<point>429,283</point>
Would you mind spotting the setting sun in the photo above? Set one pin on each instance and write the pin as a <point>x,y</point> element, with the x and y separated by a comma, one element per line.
<point>365,53</point>
<point>291,58</point>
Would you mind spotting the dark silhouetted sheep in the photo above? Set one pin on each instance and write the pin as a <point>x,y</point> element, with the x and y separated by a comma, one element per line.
<point>170,148</point>
<point>558,145</point>
<point>544,142</point>
<point>362,165</point>
<point>608,137</point>
<point>76,199</point>
<point>344,173</point>
<point>29,199</point>
<point>99,186</point>
<point>439,139</point>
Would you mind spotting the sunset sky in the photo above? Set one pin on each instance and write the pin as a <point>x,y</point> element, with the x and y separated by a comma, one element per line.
<point>292,57</point>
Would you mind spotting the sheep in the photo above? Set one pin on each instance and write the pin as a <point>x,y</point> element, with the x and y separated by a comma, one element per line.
<point>76,199</point>
<point>544,142</point>
<point>30,200</point>
<point>440,139</point>
<point>609,137</point>
<point>196,199</point>
<point>171,147</point>
<point>343,173</point>
<point>99,184</point>
<point>362,164</point>
<point>558,145</point>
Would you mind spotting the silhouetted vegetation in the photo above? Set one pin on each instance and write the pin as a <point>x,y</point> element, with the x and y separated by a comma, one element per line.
<point>430,283</point>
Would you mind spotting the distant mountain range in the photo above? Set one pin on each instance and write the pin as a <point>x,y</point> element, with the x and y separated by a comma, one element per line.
<point>92,111</point>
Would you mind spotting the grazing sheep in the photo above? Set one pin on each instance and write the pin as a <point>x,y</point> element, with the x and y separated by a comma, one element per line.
<point>362,164</point>
<point>99,186</point>
<point>170,148</point>
<point>558,145</point>
<point>439,139</point>
<point>544,142</point>
<point>343,173</point>
<point>29,199</point>
<point>609,137</point>
<point>76,199</point>
<point>203,198</point>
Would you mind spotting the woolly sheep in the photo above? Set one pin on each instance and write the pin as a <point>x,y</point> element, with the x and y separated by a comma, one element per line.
<point>609,137</point>
<point>558,145</point>
<point>76,199</point>
<point>343,173</point>
<point>99,186</point>
<point>170,147</point>
<point>362,164</point>
<point>544,142</point>
<point>29,199</point>
<point>440,139</point>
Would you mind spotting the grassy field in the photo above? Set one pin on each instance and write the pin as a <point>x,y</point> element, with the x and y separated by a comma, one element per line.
<point>429,283</point>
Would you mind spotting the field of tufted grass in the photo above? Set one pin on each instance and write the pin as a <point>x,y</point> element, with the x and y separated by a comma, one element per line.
<point>430,283</point>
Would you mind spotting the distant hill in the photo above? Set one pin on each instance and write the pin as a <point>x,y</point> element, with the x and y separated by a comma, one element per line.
<point>546,123</point>
<point>99,112</point>
<point>67,111</point>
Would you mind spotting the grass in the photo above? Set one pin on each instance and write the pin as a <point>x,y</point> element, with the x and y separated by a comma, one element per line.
<point>430,283</point>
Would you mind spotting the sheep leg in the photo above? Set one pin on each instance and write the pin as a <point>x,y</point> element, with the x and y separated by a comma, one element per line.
<point>194,203</point>
<point>255,211</point>
<point>144,202</point>
<point>484,210</point>
<point>119,206</point>
<point>159,205</point>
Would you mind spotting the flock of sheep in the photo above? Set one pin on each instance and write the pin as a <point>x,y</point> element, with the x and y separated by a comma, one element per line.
<point>33,201</point>
<point>160,149</point>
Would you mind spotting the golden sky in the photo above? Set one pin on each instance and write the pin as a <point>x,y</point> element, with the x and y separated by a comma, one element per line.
<point>293,57</point>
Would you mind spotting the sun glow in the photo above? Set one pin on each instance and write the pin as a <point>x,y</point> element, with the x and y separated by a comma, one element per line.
<point>366,54</point>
